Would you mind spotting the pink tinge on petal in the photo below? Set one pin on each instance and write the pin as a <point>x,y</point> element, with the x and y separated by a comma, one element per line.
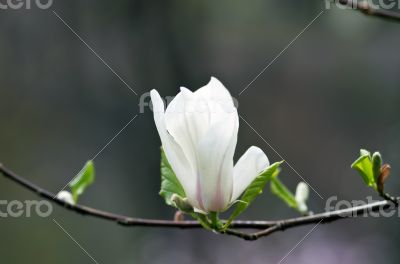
<point>198,193</point>
<point>218,203</point>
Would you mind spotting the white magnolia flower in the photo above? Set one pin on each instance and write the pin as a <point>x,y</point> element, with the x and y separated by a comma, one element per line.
<point>198,131</point>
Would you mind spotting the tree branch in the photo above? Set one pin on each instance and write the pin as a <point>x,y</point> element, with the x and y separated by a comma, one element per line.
<point>322,218</point>
<point>368,9</point>
<point>266,227</point>
<point>120,219</point>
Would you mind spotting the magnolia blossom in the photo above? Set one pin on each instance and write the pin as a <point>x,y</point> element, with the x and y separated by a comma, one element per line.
<point>198,131</point>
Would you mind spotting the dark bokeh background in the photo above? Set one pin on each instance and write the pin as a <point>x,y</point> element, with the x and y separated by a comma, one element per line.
<point>336,89</point>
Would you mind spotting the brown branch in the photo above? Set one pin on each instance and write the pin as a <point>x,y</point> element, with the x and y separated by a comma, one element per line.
<point>368,9</point>
<point>120,219</point>
<point>323,218</point>
<point>266,227</point>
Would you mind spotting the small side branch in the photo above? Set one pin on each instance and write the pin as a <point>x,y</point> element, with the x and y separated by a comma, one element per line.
<point>322,218</point>
<point>265,227</point>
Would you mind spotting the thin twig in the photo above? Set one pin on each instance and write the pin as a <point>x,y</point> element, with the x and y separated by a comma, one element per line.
<point>371,10</point>
<point>327,217</point>
<point>266,227</point>
<point>120,219</point>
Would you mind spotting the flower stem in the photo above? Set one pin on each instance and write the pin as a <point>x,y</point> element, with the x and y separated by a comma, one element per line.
<point>215,223</point>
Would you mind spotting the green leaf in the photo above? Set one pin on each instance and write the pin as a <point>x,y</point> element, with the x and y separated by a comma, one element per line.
<point>254,189</point>
<point>280,190</point>
<point>84,178</point>
<point>169,183</point>
<point>365,168</point>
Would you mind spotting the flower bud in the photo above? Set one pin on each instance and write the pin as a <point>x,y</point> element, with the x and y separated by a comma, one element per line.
<point>65,197</point>
<point>182,203</point>
<point>383,176</point>
<point>302,193</point>
<point>179,216</point>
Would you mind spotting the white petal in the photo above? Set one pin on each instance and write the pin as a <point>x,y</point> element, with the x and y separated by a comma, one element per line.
<point>197,113</point>
<point>215,90</point>
<point>249,166</point>
<point>176,157</point>
<point>215,164</point>
<point>178,127</point>
<point>188,121</point>
<point>216,94</point>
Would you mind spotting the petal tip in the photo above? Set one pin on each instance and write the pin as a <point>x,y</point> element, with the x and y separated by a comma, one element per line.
<point>157,101</point>
<point>185,90</point>
<point>153,92</point>
<point>212,79</point>
<point>261,158</point>
<point>255,148</point>
<point>215,81</point>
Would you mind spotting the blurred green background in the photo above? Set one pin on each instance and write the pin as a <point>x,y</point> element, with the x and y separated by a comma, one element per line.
<point>335,90</point>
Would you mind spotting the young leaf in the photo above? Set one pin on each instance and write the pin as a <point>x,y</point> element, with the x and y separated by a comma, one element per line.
<point>365,168</point>
<point>254,189</point>
<point>169,183</point>
<point>280,190</point>
<point>84,178</point>
<point>364,152</point>
<point>376,164</point>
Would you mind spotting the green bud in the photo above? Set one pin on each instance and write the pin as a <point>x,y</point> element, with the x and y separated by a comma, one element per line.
<point>182,203</point>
